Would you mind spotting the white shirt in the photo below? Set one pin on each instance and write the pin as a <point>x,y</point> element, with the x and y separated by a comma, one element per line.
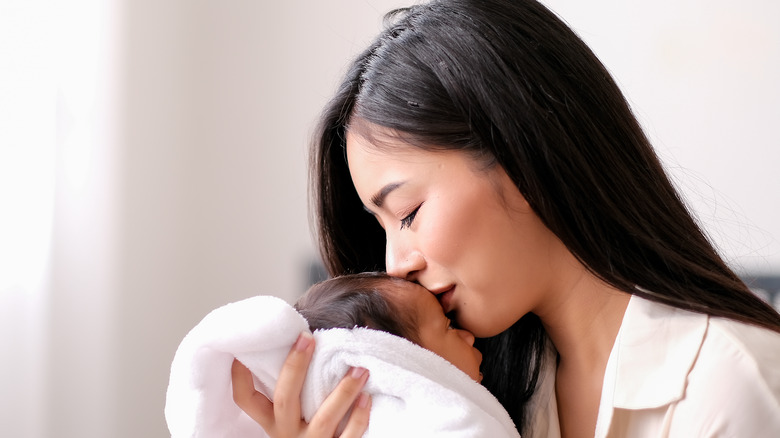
<point>674,373</point>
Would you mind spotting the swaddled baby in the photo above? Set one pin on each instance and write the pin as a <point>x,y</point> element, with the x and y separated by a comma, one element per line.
<point>423,372</point>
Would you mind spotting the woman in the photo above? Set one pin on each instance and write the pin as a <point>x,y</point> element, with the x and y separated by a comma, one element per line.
<point>503,170</point>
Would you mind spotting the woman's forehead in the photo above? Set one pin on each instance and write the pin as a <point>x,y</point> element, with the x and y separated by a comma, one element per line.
<point>378,139</point>
<point>370,132</point>
<point>373,166</point>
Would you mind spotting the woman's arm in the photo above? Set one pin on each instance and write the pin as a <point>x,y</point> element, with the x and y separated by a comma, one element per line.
<point>282,418</point>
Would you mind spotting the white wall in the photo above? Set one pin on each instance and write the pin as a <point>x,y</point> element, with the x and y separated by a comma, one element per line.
<point>702,78</point>
<point>189,190</point>
<point>58,217</point>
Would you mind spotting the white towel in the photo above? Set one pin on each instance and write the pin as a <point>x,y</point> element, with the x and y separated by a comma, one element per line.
<point>414,391</point>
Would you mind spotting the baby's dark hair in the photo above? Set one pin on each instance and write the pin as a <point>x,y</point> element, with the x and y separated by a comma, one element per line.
<point>358,300</point>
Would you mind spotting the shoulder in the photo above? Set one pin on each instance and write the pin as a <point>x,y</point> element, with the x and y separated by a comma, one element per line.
<point>734,384</point>
<point>693,374</point>
<point>709,341</point>
<point>745,351</point>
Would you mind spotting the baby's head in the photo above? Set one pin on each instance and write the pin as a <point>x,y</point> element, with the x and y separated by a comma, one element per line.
<point>399,307</point>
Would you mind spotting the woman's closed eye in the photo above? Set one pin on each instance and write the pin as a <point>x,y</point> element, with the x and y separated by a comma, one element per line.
<point>409,219</point>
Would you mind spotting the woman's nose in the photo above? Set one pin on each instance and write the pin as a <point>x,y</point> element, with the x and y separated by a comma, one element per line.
<point>466,335</point>
<point>402,261</point>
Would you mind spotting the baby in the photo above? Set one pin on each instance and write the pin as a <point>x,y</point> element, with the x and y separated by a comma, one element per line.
<point>399,307</point>
<point>423,373</point>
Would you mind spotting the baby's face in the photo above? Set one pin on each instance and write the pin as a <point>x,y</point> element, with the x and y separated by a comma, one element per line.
<point>436,333</point>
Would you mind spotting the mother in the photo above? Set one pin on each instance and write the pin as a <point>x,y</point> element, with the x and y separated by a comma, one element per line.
<point>480,149</point>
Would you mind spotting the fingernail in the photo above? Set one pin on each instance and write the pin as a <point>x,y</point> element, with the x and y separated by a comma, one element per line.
<point>363,400</point>
<point>304,340</point>
<point>357,372</point>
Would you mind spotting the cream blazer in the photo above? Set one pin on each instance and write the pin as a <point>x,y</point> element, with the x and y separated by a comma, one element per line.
<point>674,373</point>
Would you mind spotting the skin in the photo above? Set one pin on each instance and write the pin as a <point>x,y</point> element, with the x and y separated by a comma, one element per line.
<point>436,332</point>
<point>465,233</point>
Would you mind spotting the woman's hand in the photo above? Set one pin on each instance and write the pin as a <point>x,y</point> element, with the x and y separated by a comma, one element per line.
<point>282,418</point>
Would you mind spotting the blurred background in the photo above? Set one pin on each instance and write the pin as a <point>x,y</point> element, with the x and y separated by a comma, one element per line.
<point>153,167</point>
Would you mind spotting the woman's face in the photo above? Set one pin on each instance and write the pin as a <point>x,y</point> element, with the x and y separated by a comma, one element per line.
<point>463,232</point>
<point>436,333</point>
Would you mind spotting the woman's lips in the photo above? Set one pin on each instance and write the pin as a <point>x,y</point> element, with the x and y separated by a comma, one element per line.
<point>445,299</point>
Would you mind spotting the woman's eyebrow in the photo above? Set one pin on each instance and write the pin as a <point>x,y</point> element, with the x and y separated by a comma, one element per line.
<point>379,198</point>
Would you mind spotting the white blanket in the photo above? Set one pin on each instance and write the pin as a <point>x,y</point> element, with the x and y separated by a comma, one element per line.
<point>414,391</point>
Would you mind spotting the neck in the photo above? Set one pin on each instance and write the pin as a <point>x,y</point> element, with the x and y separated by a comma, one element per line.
<point>582,319</point>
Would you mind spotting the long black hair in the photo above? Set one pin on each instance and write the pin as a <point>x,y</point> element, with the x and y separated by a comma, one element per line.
<point>510,82</point>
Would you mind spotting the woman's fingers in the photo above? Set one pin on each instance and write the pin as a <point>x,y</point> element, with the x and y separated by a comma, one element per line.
<point>287,395</point>
<point>358,419</point>
<point>254,403</point>
<point>338,403</point>
<point>282,418</point>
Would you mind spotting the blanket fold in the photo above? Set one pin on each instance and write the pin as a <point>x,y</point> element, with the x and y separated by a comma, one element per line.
<point>414,391</point>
